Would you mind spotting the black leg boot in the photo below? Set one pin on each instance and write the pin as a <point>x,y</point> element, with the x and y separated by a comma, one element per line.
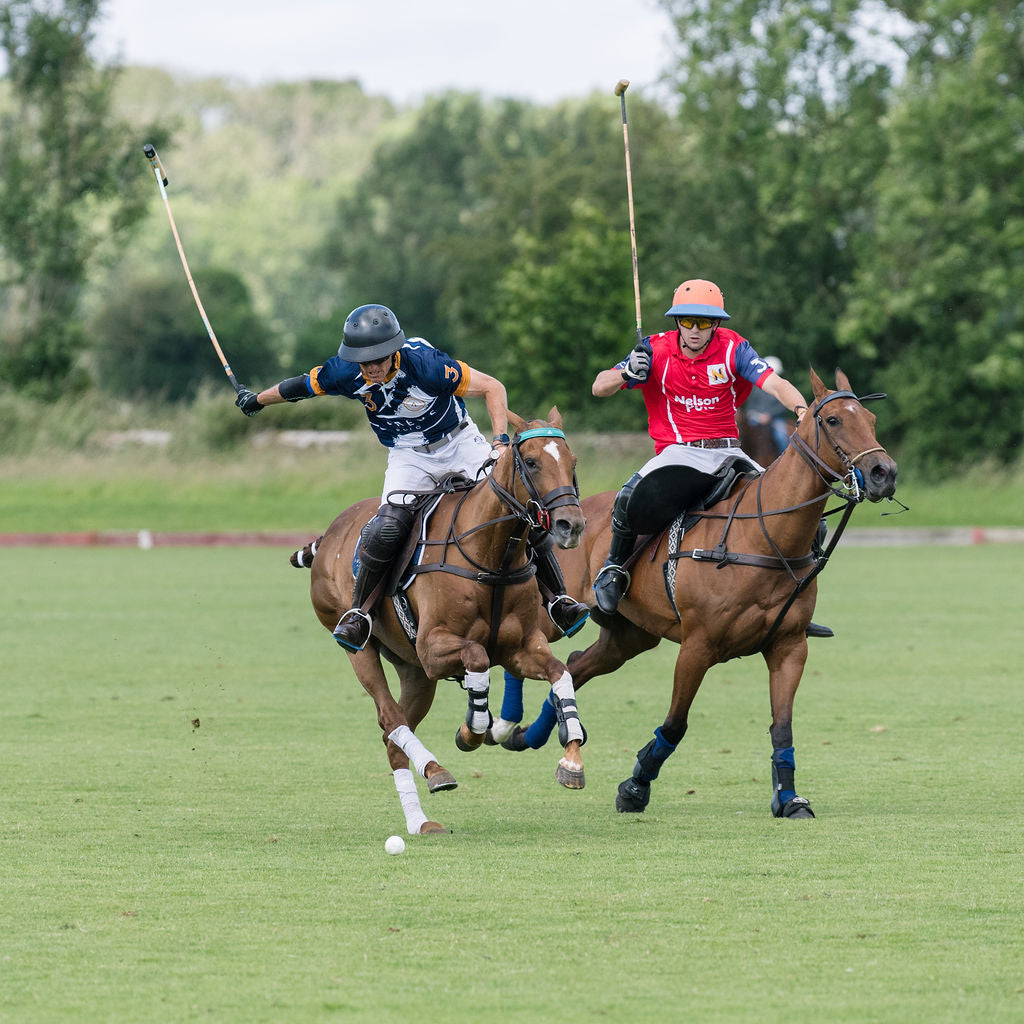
<point>379,544</point>
<point>612,580</point>
<point>568,614</point>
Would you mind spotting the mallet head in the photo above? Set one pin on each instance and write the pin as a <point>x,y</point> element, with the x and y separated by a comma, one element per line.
<point>622,86</point>
<point>151,155</point>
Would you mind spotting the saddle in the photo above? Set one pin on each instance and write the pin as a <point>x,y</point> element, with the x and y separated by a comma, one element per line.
<point>409,556</point>
<point>411,552</point>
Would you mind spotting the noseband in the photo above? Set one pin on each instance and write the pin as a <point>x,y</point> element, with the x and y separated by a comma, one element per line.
<point>536,511</point>
<point>847,485</point>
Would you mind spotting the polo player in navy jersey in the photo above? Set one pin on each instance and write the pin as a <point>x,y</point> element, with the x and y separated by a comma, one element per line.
<point>412,394</point>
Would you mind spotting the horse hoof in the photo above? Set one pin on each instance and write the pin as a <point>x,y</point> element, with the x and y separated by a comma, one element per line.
<point>798,807</point>
<point>516,740</point>
<point>440,781</point>
<point>432,828</point>
<point>569,776</point>
<point>632,797</point>
<point>466,740</point>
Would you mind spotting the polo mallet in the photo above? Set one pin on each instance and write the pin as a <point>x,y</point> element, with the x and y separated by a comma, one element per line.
<point>161,180</point>
<point>620,91</point>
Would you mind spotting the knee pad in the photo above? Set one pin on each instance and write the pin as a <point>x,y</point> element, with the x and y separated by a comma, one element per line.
<point>381,536</point>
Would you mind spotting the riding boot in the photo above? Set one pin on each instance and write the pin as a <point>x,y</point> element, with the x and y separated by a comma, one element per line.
<point>817,549</point>
<point>612,580</point>
<point>379,544</point>
<point>568,614</point>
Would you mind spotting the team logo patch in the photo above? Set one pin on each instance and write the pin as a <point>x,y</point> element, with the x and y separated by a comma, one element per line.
<point>413,406</point>
<point>717,374</point>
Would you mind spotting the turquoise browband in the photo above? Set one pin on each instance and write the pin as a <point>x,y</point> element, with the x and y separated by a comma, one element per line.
<point>541,432</point>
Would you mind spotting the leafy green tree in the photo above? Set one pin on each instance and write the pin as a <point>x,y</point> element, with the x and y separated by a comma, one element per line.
<point>937,299</point>
<point>782,107</point>
<point>150,340</point>
<point>319,341</point>
<point>475,203</point>
<point>563,319</point>
<point>70,182</point>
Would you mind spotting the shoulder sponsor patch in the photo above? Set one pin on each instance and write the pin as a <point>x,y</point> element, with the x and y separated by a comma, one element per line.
<point>717,374</point>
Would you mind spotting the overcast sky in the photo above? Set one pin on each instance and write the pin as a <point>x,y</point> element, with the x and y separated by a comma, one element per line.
<point>542,50</point>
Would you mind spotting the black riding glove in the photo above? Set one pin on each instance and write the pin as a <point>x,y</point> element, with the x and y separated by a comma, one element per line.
<point>248,402</point>
<point>638,366</point>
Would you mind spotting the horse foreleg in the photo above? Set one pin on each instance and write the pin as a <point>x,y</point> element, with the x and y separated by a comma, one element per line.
<point>511,710</point>
<point>436,653</point>
<point>610,651</point>
<point>571,733</point>
<point>634,793</point>
<point>417,695</point>
<point>401,744</point>
<point>785,668</point>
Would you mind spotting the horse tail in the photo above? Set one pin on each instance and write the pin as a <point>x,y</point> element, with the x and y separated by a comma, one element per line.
<point>303,558</point>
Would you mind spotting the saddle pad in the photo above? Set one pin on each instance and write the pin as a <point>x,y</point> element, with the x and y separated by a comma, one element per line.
<point>675,541</point>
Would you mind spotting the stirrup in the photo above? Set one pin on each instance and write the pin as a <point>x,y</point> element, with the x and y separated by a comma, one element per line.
<point>571,616</point>
<point>353,629</point>
<point>610,584</point>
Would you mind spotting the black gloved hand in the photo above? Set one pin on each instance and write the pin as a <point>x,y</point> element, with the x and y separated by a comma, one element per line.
<point>248,402</point>
<point>638,366</point>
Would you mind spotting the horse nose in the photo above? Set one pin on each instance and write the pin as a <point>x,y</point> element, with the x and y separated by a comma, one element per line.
<point>568,530</point>
<point>883,478</point>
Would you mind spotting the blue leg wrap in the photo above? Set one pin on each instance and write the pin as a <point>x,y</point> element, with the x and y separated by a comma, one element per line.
<point>512,699</point>
<point>652,757</point>
<point>783,771</point>
<point>539,731</point>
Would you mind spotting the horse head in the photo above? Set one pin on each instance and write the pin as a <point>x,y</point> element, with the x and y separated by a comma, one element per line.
<point>840,432</point>
<point>538,471</point>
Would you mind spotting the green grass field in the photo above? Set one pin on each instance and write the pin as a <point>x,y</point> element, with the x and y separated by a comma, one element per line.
<point>196,799</point>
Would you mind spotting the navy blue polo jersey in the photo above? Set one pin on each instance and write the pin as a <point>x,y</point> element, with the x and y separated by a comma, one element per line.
<point>419,403</point>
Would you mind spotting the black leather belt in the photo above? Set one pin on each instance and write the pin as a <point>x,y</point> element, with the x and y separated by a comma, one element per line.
<point>433,446</point>
<point>714,442</point>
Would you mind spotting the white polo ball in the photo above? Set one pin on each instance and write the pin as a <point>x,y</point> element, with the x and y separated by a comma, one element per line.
<point>394,845</point>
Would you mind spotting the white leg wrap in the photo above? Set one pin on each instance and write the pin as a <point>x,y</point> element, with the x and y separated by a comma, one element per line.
<point>566,697</point>
<point>477,686</point>
<point>405,783</point>
<point>404,738</point>
<point>502,729</point>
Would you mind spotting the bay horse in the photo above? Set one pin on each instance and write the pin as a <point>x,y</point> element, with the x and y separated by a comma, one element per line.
<point>472,603</point>
<point>745,584</point>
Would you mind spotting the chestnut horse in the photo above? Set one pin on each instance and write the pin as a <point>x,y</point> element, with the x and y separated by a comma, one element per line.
<point>740,580</point>
<point>472,603</point>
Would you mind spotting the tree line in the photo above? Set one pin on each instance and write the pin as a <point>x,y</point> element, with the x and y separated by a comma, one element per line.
<point>849,174</point>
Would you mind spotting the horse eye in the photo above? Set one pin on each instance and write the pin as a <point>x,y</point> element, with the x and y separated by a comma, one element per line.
<point>833,421</point>
<point>531,463</point>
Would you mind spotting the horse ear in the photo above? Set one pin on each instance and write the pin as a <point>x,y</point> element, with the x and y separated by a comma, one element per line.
<point>842,381</point>
<point>517,422</point>
<point>817,387</point>
<point>555,417</point>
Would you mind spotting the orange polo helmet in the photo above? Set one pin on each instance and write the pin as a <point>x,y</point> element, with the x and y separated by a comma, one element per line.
<point>698,298</point>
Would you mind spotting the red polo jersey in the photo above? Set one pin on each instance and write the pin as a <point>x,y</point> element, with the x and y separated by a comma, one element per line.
<point>697,399</point>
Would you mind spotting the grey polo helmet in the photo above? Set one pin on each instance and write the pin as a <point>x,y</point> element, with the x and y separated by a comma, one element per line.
<point>371,332</point>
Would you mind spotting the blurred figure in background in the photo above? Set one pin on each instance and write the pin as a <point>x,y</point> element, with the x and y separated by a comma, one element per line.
<point>763,414</point>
